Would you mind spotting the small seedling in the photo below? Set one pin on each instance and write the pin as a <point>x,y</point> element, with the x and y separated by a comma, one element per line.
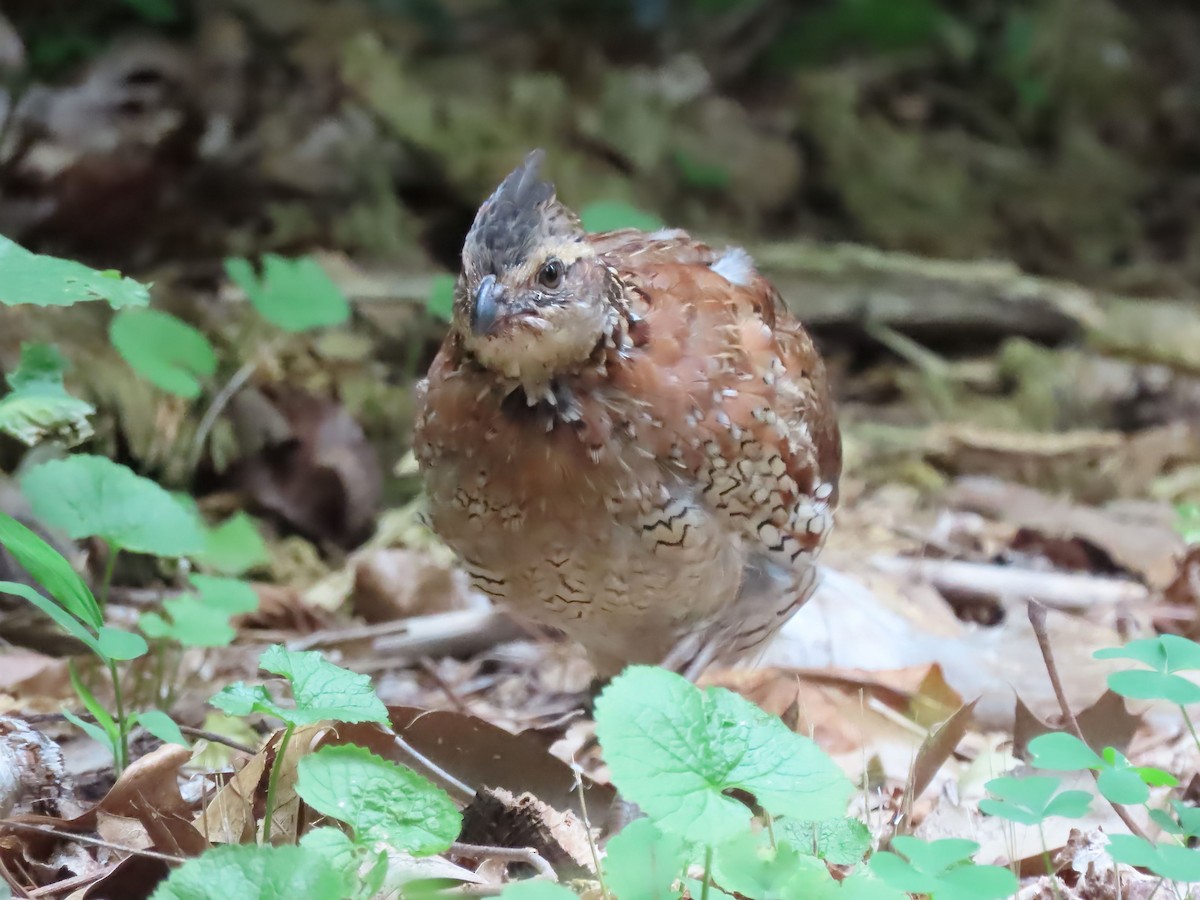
<point>321,692</point>
<point>293,294</point>
<point>73,607</point>
<point>38,405</point>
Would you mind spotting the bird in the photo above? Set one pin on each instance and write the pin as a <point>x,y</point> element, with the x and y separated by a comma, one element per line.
<point>626,436</point>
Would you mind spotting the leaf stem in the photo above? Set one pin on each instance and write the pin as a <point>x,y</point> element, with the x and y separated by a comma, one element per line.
<point>110,567</point>
<point>1037,618</point>
<point>708,857</point>
<point>273,781</point>
<point>122,724</point>
<point>1047,862</point>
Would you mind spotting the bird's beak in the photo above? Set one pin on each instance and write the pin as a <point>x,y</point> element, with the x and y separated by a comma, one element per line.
<point>489,297</point>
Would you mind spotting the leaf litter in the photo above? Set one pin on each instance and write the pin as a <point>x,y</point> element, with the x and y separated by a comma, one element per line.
<point>976,481</point>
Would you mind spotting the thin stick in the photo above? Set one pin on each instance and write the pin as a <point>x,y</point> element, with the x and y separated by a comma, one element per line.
<point>213,737</point>
<point>506,854</point>
<point>240,377</point>
<point>1037,618</point>
<point>39,718</point>
<point>420,758</point>
<point>68,884</point>
<point>84,839</point>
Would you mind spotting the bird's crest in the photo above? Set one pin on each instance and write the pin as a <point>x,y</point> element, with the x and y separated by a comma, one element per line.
<point>521,212</point>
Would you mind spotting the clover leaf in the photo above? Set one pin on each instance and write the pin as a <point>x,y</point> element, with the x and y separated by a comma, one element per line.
<point>1032,800</point>
<point>942,869</point>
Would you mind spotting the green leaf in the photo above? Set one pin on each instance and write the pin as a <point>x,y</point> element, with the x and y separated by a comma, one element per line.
<point>842,842</point>
<point>935,857</point>
<point>251,872</point>
<point>49,569</point>
<point>61,617</point>
<point>1122,786</point>
<point>234,547</point>
<point>38,405</point>
<point>190,622</point>
<point>642,863</point>
<point>162,726</point>
<point>90,496</point>
<point>1031,800</point>
<point>94,731</point>
<point>749,866</point>
<point>1063,752</point>
<point>166,351</point>
<point>105,731</point>
<point>346,857</point>
<point>674,750</point>
<point>116,643</point>
<point>537,889</point>
<point>1169,861</point>
<point>294,294</point>
<point>378,799</point>
<point>49,281</point>
<point>1142,685</point>
<point>1166,653</point>
<point>228,595</point>
<point>610,215</point>
<point>321,690</point>
<point>943,870</point>
<point>441,297</point>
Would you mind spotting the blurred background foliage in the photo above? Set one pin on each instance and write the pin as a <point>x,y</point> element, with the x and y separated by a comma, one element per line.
<point>1060,134</point>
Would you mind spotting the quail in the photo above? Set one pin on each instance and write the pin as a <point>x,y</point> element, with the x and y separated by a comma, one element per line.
<point>626,435</point>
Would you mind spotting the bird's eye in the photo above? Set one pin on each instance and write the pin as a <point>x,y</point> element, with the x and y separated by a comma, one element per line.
<point>551,274</point>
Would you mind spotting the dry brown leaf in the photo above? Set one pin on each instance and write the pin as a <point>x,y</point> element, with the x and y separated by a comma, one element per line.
<point>1106,723</point>
<point>481,754</point>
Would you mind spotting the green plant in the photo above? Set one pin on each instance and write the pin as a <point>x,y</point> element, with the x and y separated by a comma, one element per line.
<point>167,352</point>
<point>942,869</point>
<point>1166,655</point>
<point>72,605</point>
<point>676,751</point>
<point>294,294</point>
<point>320,691</point>
<point>38,405</point>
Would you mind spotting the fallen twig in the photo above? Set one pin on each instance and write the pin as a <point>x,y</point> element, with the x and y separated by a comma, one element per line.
<point>1037,618</point>
<point>1059,590</point>
<point>506,854</point>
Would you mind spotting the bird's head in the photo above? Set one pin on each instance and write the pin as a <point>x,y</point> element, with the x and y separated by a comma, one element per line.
<point>533,300</point>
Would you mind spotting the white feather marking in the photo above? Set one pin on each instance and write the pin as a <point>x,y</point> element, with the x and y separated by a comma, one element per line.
<point>735,266</point>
